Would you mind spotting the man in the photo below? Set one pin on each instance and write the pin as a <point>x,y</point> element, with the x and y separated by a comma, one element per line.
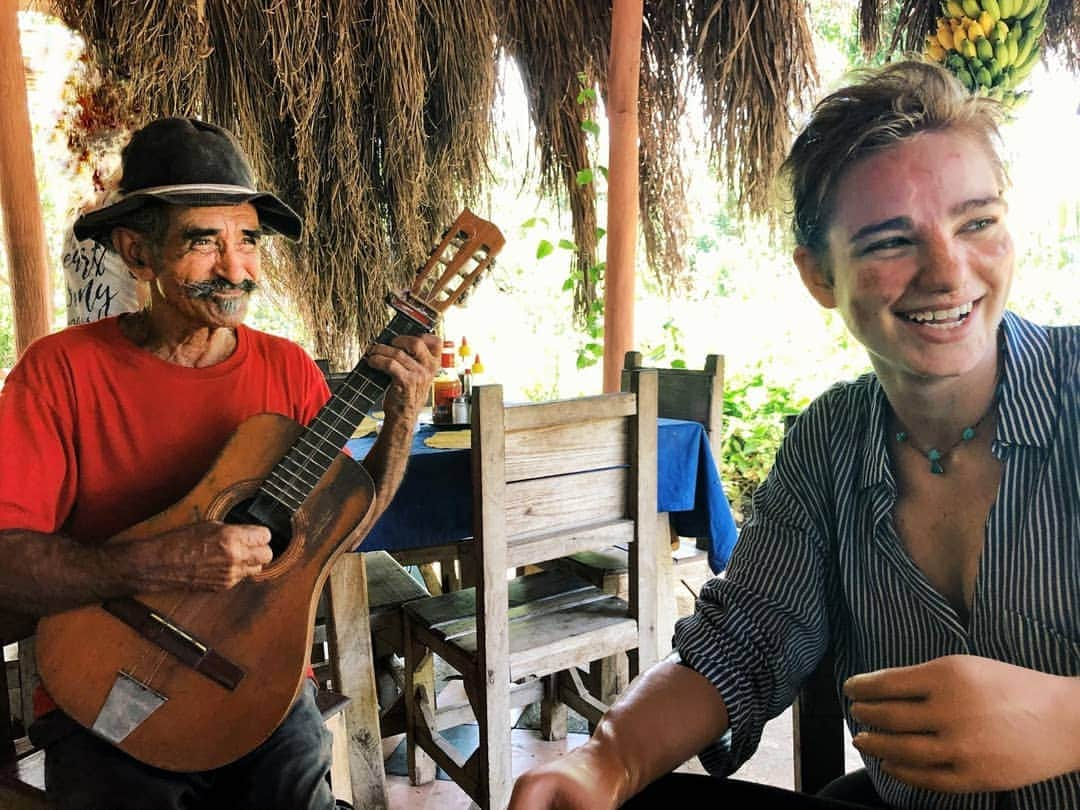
<point>920,523</point>
<point>105,424</point>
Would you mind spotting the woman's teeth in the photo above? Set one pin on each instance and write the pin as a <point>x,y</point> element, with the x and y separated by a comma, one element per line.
<point>940,317</point>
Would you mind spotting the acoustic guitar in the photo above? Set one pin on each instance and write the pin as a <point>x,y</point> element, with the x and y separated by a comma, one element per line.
<point>190,681</point>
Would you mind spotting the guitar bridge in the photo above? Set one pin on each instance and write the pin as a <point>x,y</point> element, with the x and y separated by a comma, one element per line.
<point>175,640</point>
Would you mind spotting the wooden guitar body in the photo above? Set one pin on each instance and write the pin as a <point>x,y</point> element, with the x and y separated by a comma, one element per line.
<point>263,625</point>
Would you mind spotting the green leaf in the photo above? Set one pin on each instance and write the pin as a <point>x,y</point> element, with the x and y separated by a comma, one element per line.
<point>591,127</point>
<point>584,177</point>
<point>603,171</point>
<point>568,284</point>
<point>529,223</point>
<point>600,234</point>
<point>566,244</point>
<point>678,364</point>
<point>545,248</point>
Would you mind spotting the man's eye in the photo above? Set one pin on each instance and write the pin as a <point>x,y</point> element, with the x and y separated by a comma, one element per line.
<point>203,243</point>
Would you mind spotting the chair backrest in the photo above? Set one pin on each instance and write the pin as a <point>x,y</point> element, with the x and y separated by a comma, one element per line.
<point>555,478</point>
<point>696,395</point>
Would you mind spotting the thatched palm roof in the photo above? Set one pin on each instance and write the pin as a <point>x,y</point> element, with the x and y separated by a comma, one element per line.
<point>373,117</point>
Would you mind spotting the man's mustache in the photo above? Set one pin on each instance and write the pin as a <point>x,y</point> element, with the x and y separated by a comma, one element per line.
<point>204,289</point>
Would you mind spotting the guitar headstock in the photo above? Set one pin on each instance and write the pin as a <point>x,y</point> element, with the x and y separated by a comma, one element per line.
<point>466,250</point>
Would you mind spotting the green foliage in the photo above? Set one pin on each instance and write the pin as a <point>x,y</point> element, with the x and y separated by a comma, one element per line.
<point>754,412</point>
<point>838,24</point>
<point>591,350</point>
<point>670,351</point>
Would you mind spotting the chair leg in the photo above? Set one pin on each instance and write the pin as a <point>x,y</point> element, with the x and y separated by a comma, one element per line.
<point>340,777</point>
<point>432,580</point>
<point>553,712</point>
<point>451,581</point>
<point>419,679</point>
<point>350,632</point>
<point>494,754</point>
<point>421,765</point>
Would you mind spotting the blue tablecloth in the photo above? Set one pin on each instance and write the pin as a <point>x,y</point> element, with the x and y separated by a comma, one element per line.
<point>434,504</point>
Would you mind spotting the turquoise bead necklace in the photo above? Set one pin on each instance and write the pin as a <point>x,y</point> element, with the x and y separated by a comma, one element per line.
<point>935,456</point>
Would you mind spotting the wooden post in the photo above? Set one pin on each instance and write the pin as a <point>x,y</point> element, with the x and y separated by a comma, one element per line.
<point>24,233</point>
<point>623,76</point>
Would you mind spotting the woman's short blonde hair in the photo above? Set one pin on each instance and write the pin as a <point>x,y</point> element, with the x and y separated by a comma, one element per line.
<point>882,107</point>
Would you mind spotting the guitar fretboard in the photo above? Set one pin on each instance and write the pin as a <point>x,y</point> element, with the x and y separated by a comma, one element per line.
<point>297,474</point>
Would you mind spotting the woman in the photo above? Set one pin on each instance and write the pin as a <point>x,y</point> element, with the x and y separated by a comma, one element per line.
<point>919,523</point>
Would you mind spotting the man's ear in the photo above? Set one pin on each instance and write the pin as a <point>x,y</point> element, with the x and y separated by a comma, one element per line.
<point>135,251</point>
<point>814,277</point>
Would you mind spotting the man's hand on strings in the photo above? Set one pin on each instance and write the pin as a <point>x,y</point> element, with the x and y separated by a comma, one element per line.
<point>204,556</point>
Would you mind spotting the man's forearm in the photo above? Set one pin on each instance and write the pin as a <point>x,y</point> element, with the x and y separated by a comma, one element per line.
<point>666,717</point>
<point>387,459</point>
<point>44,573</point>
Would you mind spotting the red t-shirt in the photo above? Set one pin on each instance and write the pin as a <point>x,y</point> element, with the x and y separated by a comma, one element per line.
<point>97,434</point>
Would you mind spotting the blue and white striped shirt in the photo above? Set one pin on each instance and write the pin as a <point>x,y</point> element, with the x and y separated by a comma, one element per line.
<point>820,564</point>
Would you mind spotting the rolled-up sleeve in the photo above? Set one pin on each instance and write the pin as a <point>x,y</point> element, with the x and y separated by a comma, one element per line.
<point>762,627</point>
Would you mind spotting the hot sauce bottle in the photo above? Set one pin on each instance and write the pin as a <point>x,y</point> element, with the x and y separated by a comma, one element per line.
<point>446,387</point>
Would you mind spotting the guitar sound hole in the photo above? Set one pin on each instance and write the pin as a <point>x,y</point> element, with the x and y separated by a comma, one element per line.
<point>271,515</point>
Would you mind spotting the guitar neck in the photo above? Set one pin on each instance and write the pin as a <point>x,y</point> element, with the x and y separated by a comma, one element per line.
<point>467,248</point>
<point>302,467</point>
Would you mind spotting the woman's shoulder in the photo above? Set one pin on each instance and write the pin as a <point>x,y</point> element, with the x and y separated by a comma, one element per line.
<point>844,402</point>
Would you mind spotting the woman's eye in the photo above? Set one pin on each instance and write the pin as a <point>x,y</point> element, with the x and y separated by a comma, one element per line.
<point>980,224</point>
<point>891,243</point>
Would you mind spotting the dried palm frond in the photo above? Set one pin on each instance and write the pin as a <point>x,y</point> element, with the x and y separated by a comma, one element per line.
<point>553,44</point>
<point>664,88</point>
<point>371,118</point>
<point>755,63</point>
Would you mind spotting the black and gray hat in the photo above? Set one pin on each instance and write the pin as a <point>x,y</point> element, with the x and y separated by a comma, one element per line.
<point>182,161</point>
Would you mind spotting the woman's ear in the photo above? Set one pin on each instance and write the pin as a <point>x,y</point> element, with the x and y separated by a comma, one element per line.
<point>817,281</point>
<point>135,251</point>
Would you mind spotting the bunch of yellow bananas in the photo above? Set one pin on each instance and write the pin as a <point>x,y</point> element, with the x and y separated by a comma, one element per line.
<point>991,45</point>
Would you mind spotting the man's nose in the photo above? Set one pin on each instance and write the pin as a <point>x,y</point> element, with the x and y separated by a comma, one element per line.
<point>235,265</point>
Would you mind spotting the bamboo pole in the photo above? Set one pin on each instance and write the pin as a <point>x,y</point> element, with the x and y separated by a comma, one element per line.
<point>623,76</point>
<point>24,233</point>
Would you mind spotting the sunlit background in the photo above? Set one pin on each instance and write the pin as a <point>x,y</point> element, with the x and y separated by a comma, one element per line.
<point>743,300</point>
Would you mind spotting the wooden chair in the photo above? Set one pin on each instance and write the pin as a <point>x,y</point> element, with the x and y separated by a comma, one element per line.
<point>361,606</point>
<point>549,479</point>
<point>696,395</point>
<point>818,731</point>
<point>693,395</point>
<point>22,768</point>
